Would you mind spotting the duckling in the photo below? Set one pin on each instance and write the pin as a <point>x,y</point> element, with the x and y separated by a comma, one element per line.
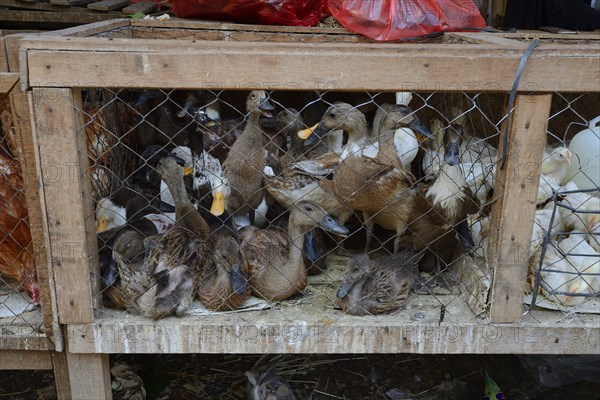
<point>245,162</point>
<point>177,256</point>
<point>269,386</point>
<point>277,270</point>
<point>363,182</point>
<point>441,208</point>
<point>377,286</point>
<point>224,282</point>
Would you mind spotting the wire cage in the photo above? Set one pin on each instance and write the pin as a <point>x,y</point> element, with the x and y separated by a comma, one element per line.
<point>25,305</point>
<point>565,251</point>
<point>260,257</point>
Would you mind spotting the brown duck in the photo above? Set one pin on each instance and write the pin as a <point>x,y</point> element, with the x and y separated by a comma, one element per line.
<point>176,258</point>
<point>364,182</point>
<point>377,286</point>
<point>243,168</point>
<point>277,269</point>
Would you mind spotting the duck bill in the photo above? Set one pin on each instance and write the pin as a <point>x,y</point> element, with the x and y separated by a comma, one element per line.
<point>187,170</point>
<point>312,134</point>
<point>330,224</point>
<point>180,161</point>
<point>452,151</point>
<point>189,104</point>
<point>218,204</point>
<point>109,278</point>
<point>418,126</point>
<point>239,283</point>
<point>266,108</point>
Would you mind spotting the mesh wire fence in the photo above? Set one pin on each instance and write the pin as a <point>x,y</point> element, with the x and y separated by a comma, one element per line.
<point>297,202</point>
<point>565,259</point>
<point>19,291</point>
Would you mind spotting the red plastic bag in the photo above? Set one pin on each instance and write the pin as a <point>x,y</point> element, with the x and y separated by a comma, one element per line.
<point>400,19</point>
<point>268,12</point>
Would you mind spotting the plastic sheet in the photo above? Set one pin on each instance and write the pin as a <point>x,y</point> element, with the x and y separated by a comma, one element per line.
<point>401,19</point>
<point>268,12</point>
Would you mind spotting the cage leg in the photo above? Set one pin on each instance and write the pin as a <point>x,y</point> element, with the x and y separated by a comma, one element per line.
<point>81,376</point>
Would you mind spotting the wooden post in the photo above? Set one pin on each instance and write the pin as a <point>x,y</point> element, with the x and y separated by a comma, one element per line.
<point>28,157</point>
<point>81,376</point>
<point>513,212</point>
<point>56,126</point>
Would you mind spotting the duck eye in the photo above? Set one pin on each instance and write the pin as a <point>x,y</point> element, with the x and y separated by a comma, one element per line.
<point>253,95</point>
<point>308,208</point>
<point>331,115</point>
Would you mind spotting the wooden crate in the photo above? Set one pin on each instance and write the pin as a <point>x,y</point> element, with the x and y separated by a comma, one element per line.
<point>133,54</point>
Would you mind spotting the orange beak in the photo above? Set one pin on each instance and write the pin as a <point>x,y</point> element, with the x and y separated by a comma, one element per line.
<point>218,205</point>
<point>305,133</point>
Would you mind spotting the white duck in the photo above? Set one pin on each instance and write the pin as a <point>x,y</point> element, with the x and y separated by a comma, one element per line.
<point>405,141</point>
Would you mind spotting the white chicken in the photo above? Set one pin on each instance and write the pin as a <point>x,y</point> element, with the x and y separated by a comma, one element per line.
<point>558,276</point>
<point>541,225</point>
<point>553,172</point>
<point>586,260</point>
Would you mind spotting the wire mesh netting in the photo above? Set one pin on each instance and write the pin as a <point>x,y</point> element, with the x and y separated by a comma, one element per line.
<point>297,202</point>
<point>565,259</point>
<point>19,291</point>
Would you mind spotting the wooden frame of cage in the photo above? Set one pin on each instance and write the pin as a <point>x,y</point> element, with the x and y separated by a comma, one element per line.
<point>55,66</point>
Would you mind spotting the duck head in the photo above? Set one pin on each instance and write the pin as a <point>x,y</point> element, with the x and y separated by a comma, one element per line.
<point>307,215</point>
<point>339,116</point>
<point>452,141</point>
<point>259,100</point>
<point>148,161</point>
<point>402,116</point>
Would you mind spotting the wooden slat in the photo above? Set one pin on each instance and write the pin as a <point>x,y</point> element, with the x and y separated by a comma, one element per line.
<point>89,376</point>
<point>144,7</point>
<point>268,333</point>
<point>61,375</point>
<point>487,38</point>
<point>31,342</point>
<point>21,360</point>
<point>32,6</point>
<point>29,157</point>
<point>56,127</point>
<point>512,214</point>
<point>91,29</point>
<point>7,82</point>
<point>3,56</point>
<point>72,2</point>
<point>108,5</point>
<point>50,17</point>
<point>197,24</point>
<point>305,67</point>
<point>11,44</point>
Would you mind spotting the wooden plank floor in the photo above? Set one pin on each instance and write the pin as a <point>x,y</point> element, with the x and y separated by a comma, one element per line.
<point>312,325</point>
